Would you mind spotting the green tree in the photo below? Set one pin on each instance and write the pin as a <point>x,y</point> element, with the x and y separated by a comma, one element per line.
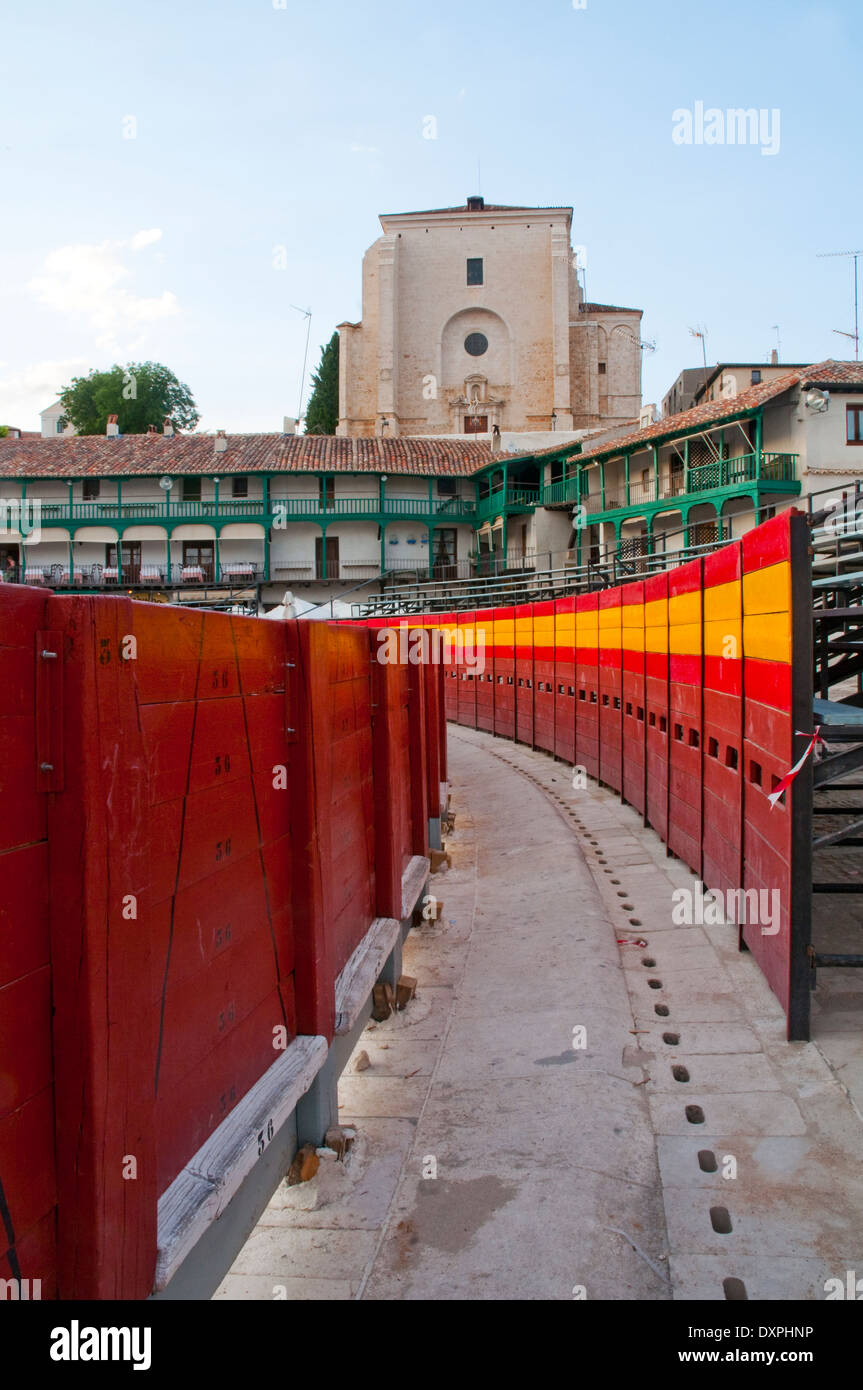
<point>140,394</point>
<point>322,413</point>
<point>4,430</point>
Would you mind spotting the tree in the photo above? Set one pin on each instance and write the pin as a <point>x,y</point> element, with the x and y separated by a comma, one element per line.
<point>140,394</point>
<point>322,413</point>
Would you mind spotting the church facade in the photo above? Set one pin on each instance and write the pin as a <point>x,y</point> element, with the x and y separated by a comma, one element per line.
<point>474,318</point>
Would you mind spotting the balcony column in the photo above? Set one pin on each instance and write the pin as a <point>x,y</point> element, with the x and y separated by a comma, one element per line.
<point>216,557</point>
<point>602,484</point>
<point>758,441</point>
<point>655,453</point>
<point>216,500</point>
<point>626,459</point>
<point>71,504</point>
<point>168,556</point>
<point>686,480</point>
<point>324,549</point>
<point>119,499</point>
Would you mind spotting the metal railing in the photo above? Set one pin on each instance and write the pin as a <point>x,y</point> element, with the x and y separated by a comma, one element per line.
<point>707,477</point>
<point>233,574</point>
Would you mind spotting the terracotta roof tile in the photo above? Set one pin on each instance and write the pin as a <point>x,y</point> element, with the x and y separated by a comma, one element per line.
<point>74,456</point>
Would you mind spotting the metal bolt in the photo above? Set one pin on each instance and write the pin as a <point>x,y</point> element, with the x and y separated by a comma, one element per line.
<point>46,767</point>
<point>49,656</point>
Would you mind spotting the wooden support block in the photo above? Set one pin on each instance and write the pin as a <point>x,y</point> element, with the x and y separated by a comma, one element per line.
<point>304,1166</point>
<point>382,1002</point>
<point>405,990</point>
<point>340,1139</point>
<point>439,857</point>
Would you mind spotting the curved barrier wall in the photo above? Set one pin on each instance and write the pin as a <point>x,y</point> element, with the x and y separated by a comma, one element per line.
<point>688,693</point>
<point>211,822</point>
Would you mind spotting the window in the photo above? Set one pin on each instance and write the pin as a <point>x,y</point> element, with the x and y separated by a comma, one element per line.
<point>446,487</point>
<point>59,426</point>
<point>90,489</point>
<point>474,270</point>
<point>239,487</point>
<point>326,493</point>
<point>476,424</point>
<point>602,369</point>
<point>476,344</point>
<point>191,489</point>
<point>756,377</point>
<point>854,424</point>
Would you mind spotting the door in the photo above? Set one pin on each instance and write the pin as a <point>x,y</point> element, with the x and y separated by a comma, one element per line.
<point>9,563</point>
<point>130,554</point>
<point>200,555</point>
<point>444,554</point>
<point>476,424</point>
<point>332,558</point>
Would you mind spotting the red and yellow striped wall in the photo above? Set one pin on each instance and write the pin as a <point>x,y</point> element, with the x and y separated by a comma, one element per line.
<point>676,691</point>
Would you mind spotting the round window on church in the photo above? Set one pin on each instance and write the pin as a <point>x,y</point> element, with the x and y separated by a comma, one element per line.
<point>476,344</point>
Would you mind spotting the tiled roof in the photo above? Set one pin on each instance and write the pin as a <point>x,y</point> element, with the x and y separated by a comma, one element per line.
<point>487,207</point>
<point>714,412</point>
<point>75,456</point>
<point>607,309</point>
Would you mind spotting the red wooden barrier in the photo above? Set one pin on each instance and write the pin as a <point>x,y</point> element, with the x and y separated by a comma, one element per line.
<point>610,690</point>
<point>722,837</point>
<point>656,701</point>
<point>524,678</point>
<point>466,671</point>
<point>504,672</point>
<point>587,683</point>
<point>543,671</point>
<point>28,1192</point>
<point>685,684</point>
<point>634,735</point>
<point>564,676</point>
<point>484,673</point>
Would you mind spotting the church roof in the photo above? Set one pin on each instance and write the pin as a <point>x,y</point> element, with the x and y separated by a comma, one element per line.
<point>590,308</point>
<point>486,207</point>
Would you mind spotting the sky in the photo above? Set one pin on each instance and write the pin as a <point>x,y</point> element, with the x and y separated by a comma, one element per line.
<point>182,180</point>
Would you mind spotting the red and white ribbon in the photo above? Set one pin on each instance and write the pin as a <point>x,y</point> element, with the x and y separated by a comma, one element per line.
<point>792,772</point>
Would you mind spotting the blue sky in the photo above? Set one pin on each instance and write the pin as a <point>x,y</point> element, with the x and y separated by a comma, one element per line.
<point>259,127</point>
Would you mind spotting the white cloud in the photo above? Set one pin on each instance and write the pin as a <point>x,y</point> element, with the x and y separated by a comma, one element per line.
<point>24,393</point>
<point>142,239</point>
<point>86,280</point>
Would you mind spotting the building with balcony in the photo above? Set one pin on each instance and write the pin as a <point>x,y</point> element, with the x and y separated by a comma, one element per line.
<point>474,318</point>
<point>709,473</point>
<point>214,520</point>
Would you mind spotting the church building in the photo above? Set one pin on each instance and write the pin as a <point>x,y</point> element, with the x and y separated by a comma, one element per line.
<point>474,318</point>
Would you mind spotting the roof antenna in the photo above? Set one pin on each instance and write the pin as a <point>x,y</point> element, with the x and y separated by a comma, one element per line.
<point>307,314</point>
<point>478,175</point>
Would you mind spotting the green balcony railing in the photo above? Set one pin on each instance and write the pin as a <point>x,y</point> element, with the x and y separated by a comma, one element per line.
<point>706,477</point>
<point>497,501</point>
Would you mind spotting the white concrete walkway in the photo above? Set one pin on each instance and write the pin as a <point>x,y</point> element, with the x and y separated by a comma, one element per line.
<point>561,1168</point>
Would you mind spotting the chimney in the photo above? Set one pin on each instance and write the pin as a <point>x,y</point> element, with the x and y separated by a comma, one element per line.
<point>113,429</point>
<point>774,357</point>
<point>475,203</point>
<point>151,429</point>
<point>167,427</point>
<point>289,425</point>
<point>221,442</point>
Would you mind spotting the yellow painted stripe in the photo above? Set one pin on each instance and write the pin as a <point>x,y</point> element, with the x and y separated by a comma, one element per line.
<point>684,639</point>
<point>767,636</point>
<point>722,601</point>
<point>656,615</point>
<point>724,637</point>
<point>633,639</point>
<point>656,639</point>
<point>768,590</point>
<point>684,609</point>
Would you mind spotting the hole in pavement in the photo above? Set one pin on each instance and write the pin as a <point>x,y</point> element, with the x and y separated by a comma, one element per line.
<point>680,1073</point>
<point>635,921</point>
<point>735,1290</point>
<point>647,960</point>
<point>671,1038</point>
<point>707,1161</point>
<point>655,984</point>
<point>615,880</point>
<point>695,1114</point>
<point>627,907</point>
<point>662,1010</point>
<point>720,1221</point>
<point>621,892</point>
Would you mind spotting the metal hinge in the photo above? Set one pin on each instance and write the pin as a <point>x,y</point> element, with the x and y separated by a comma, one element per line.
<point>49,711</point>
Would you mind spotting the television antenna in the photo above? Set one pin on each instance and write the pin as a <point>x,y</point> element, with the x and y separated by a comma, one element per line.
<point>855,336</point>
<point>778,342</point>
<point>701,332</point>
<point>307,315</point>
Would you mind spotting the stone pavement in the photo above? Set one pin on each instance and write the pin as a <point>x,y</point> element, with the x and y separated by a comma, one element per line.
<point>684,1150</point>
